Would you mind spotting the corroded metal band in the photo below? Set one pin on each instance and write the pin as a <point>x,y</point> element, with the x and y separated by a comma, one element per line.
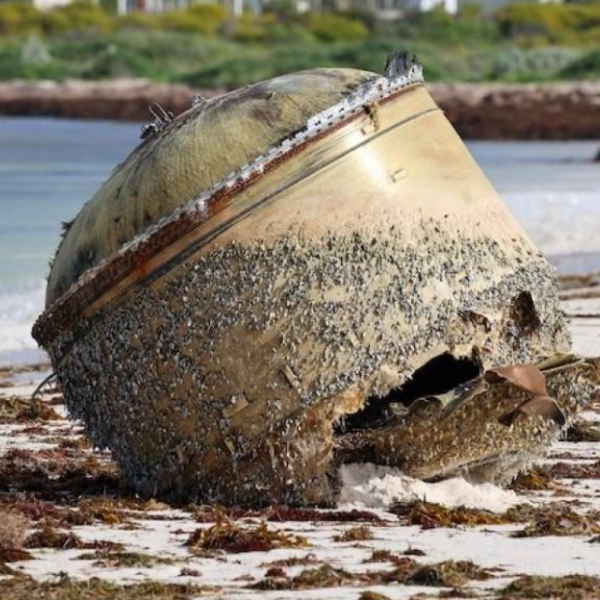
<point>132,257</point>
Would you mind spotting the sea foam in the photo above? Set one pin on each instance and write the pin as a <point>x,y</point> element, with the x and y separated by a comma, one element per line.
<point>374,486</point>
<point>19,307</point>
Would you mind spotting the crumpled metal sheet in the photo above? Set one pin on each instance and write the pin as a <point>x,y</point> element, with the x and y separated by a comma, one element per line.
<point>489,427</point>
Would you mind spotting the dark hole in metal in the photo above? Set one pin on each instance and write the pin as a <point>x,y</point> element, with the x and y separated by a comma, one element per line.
<point>524,313</point>
<point>437,376</point>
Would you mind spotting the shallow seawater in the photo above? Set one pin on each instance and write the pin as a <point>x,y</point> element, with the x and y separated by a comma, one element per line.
<point>50,167</point>
<point>553,188</point>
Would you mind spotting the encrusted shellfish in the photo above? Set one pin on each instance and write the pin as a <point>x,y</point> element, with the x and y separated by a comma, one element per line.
<point>306,271</point>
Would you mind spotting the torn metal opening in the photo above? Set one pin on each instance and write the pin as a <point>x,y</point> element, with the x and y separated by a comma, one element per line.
<point>439,375</point>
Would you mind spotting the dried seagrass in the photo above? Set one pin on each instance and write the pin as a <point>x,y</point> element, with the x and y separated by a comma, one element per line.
<point>273,280</point>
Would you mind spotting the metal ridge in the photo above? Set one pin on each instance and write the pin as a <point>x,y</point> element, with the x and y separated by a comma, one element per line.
<point>160,235</point>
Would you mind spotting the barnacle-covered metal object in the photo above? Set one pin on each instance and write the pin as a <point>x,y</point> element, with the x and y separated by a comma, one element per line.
<point>291,276</point>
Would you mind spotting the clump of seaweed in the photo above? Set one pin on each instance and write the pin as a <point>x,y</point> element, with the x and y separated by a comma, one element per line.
<point>521,513</point>
<point>293,561</point>
<point>227,536</point>
<point>430,516</point>
<point>370,595</point>
<point>188,572</point>
<point>13,529</point>
<point>548,519</point>
<point>407,571</point>
<point>50,537</point>
<point>6,570</point>
<point>355,534</point>
<point>104,510</point>
<point>54,477</point>
<point>31,509</point>
<point>571,470</point>
<point>458,593</point>
<point>275,572</point>
<point>536,479</point>
<point>36,510</point>
<point>21,588</point>
<point>449,573</point>
<point>210,514</point>
<point>79,443</point>
<point>325,576</point>
<point>20,408</point>
<point>382,556</point>
<point>286,513</point>
<point>121,558</point>
<point>568,587</point>
<point>559,520</point>
<point>580,431</point>
<point>396,559</point>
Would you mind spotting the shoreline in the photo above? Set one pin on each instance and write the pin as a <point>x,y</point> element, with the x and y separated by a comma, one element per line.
<point>551,111</point>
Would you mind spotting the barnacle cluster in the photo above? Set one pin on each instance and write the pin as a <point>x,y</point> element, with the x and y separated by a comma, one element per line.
<point>304,310</point>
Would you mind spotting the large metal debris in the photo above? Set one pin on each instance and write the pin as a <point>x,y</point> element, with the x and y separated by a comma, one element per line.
<point>486,428</point>
<point>307,271</point>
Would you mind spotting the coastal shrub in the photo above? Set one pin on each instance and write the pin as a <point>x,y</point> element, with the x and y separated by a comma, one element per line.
<point>258,64</point>
<point>204,46</point>
<point>283,8</point>
<point>566,23</point>
<point>267,28</point>
<point>35,52</point>
<point>530,20</point>
<point>115,62</point>
<point>369,55</point>
<point>459,65</point>
<point>53,22</point>
<point>438,26</point>
<point>17,18</point>
<point>518,64</point>
<point>251,28</point>
<point>232,73</point>
<point>10,60</point>
<point>160,55</point>
<point>82,15</point>
<point>329,27</point>
<point>289,32</point>
<point>584,67</point>
<point>205,19</point>
<point>138,20</point>
<point>22,62</point>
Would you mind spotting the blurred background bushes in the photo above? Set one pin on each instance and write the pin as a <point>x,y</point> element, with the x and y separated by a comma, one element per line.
<point>204,46</point>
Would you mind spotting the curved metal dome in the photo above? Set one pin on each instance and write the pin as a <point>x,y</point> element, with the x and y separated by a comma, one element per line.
<point>200,148</point>
<point>307,272</point>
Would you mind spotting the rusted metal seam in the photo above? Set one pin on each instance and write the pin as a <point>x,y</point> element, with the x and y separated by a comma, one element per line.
<point>149,278</point>
<point>57,318</point>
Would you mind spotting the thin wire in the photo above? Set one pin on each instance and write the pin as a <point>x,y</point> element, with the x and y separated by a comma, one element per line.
<point>38,390</point>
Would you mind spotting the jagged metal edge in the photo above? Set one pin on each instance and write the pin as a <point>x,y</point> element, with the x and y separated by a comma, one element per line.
<point>373,90</point>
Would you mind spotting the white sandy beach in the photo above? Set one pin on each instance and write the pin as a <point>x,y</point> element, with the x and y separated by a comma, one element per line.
<point>153,536</point>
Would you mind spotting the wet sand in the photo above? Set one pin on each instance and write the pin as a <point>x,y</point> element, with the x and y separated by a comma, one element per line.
<point>78,521</point>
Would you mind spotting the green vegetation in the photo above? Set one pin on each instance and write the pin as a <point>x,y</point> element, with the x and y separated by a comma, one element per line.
<point>204,46</point>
